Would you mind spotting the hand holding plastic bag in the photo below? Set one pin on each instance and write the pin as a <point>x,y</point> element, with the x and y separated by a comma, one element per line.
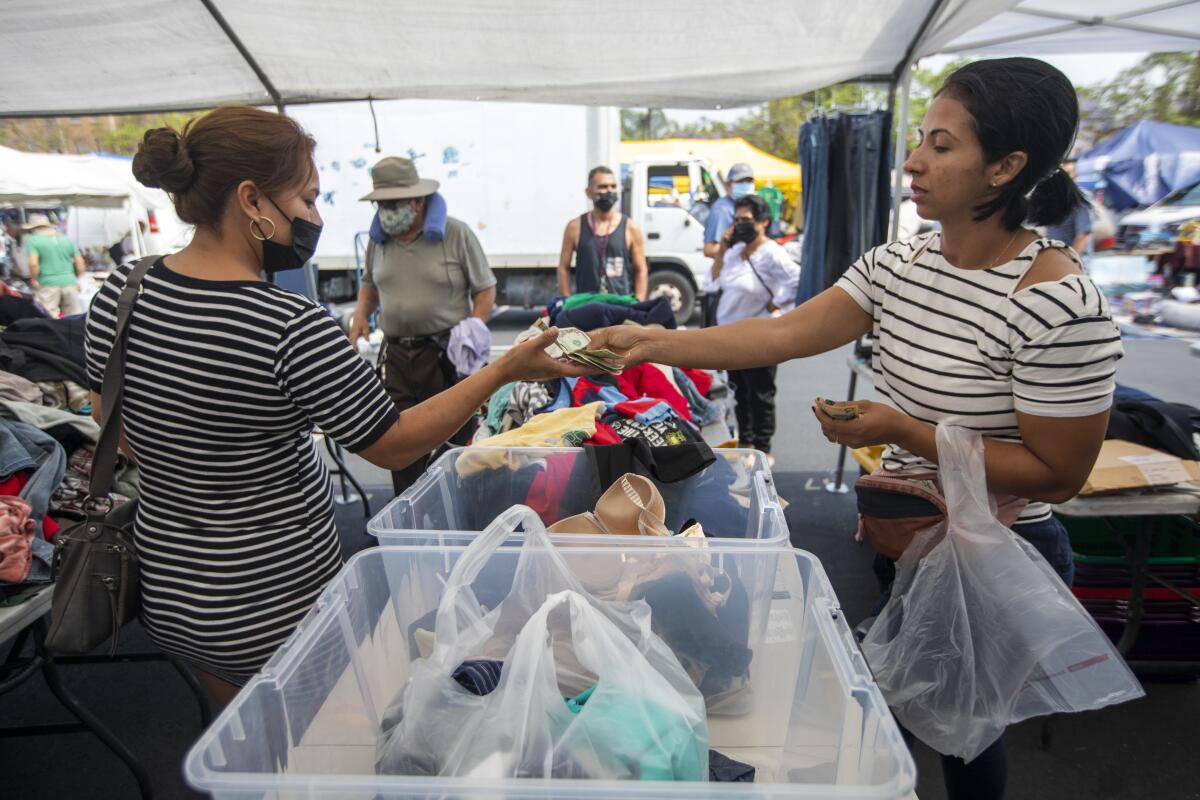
<point>980,632</point>
<point>639,716</point>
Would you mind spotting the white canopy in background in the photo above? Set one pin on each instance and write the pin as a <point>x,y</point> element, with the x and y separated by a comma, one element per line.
<point>48,180</point>
<point>102,56</point>
<point>1045,27</point>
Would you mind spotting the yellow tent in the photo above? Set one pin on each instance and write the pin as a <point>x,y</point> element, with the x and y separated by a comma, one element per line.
<point>723,154</point>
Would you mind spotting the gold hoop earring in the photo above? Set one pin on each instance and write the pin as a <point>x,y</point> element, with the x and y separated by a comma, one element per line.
<point>256,229</point>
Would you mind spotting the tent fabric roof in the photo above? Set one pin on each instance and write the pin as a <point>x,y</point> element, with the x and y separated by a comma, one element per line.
<point>722,154</point>
<point>1145,161</point>
<point>1043,27</point>
<point>183,54</point>
<point>52,179</point>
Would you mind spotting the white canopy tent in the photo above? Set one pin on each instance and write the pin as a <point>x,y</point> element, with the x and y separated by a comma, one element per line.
<point>120,56</point>
<point>113,56</point>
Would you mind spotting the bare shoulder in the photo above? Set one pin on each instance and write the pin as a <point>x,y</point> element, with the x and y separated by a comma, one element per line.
<point>572,231</point>
<point>1050,266</point>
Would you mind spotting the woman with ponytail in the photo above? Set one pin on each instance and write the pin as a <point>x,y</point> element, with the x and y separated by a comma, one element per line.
<point>983,324</point>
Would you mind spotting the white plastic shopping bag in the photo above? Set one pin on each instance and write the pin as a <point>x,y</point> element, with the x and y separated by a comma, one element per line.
<point>980,632</point>
<point>587,690</point>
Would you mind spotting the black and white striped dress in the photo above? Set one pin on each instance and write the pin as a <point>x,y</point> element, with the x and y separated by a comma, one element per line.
<point>224,383</point>
<point>961,346</point>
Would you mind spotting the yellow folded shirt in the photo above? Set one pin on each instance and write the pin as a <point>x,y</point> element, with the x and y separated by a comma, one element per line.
<point>557,429</point>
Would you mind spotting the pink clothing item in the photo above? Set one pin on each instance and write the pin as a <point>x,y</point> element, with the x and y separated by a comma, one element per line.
<point>16,539</point>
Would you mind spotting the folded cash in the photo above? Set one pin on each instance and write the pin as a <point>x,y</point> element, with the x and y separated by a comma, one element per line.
<point>572,344</point>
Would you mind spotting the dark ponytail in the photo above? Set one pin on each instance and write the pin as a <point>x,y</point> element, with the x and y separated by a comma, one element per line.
<point>1023,104</point>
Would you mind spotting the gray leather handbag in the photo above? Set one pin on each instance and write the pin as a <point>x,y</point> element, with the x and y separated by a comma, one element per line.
<point>96,581</point>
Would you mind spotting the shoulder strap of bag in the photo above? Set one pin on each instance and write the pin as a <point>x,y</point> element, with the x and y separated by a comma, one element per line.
<point>104,462</point>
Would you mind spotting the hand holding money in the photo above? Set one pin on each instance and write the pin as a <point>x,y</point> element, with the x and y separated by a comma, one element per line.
<point>572,344</point>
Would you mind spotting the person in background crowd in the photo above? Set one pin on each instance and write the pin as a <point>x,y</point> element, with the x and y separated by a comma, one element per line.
<point>226,377</point>
<point>983,324</point>
<point>1076,229</point>
<point>124,250</point>
<point>55,266</point>
<point>739,182</point>
<point>756,278</point>
<point>422,287</point>
<point>607,247</point>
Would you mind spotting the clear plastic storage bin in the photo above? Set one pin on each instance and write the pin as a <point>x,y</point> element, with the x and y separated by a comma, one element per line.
<point>813,723</point>
<point>464,490</point>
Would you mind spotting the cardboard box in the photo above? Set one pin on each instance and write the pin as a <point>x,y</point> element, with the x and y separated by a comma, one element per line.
<point>1125,465</point>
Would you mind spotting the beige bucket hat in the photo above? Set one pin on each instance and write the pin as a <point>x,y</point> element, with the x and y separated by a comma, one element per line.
<point>397,179</point>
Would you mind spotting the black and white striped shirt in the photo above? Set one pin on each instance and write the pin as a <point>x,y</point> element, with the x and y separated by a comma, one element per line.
<point>224,382</point>
<point>960,346</point>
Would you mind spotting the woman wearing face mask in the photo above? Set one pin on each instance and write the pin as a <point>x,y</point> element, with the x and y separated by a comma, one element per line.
<point>756,278</point>
<point>226,377</point>
<point>983,325</point>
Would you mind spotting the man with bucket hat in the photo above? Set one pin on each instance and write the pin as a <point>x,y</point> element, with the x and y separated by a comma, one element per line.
<point>425,273</point>
<point>55,266</point>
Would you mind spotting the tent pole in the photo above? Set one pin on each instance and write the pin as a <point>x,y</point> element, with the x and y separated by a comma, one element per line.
<point>901,153</point>
<point>236,41</point>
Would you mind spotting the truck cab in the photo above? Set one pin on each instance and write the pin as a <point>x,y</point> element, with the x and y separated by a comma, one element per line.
<point>669,199</point>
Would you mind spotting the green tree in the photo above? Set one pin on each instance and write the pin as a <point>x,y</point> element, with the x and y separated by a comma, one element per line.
<point>645,123</point>
<point>1163,87</point>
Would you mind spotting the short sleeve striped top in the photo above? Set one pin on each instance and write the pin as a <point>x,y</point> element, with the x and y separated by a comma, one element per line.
<point>224,382</point>
<point>961,346</point>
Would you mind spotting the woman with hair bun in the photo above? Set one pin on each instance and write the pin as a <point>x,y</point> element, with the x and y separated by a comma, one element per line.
<point>983,324</point>
<point>226,377</point>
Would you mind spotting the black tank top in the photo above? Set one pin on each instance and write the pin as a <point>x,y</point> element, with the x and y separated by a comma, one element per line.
<point>602,263</point>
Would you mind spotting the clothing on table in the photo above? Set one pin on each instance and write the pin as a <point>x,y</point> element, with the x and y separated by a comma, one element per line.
<point>530,397</point>
<point>433,230</point>
<point>723,769</point>
<point>602,315</point>
<point>665,433</point>
<point>45,350</point>
<point>631,506</point>
<point>60,300</point>
<point>603,263</point>
<point>14,387</point>
<point>546,490</point>
<point>604,435</point>
<point>1078,223</point>
<point>235,528</point>
<point>567,427</point>
<point>74,489</point>
<point>20,307</point>
<point>14,484</point>
<point>56,259</point>
<point>754,390</point>
<point>594,388</point>
<point>959,346</point>
<point>702,379</point>
<point>17,532</point>
<point>479,676</point>
<point>704,411</point>
<point>720,217</point>
<point>65,395</point>
<point>412,375</point>
<point>72,431</point>
<point>747,286</point>
<point>584,298</point>
<point>647,410</point>
<point>497,405</point>
<point>425,287</point>
<point>470,346</point>
<point>24,448</point>
<point>646,380</point>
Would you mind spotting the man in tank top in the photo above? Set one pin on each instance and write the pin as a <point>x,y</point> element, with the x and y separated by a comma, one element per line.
<point>606,246</point>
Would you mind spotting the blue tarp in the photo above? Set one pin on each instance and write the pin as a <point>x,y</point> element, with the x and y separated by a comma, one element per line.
<point>1142,164</point>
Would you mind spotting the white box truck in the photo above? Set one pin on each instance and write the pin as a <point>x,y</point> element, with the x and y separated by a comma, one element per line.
<point>516,173</point>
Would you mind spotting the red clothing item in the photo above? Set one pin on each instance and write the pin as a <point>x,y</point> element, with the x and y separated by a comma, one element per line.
<point>604,435</point>
<point>702,378</point>
<point>646,380</point>
<point>549,485</point>
<point>12,486</point>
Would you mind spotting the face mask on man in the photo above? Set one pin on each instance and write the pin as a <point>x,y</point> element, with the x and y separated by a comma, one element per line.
<point>743,231</point>
<point>741,190</point>
<point>605,201</point>
<point>397,221</point>
<point>281,257</point>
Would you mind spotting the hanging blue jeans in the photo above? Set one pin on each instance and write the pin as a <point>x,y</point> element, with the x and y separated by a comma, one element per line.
<point>814,177</point>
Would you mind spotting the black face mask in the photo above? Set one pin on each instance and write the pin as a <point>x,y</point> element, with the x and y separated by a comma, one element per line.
<point>744,231</point>
<point>605,201</point>
<point>281,257</point>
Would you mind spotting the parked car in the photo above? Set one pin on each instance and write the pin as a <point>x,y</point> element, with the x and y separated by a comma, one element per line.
<point>1159,224</point>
